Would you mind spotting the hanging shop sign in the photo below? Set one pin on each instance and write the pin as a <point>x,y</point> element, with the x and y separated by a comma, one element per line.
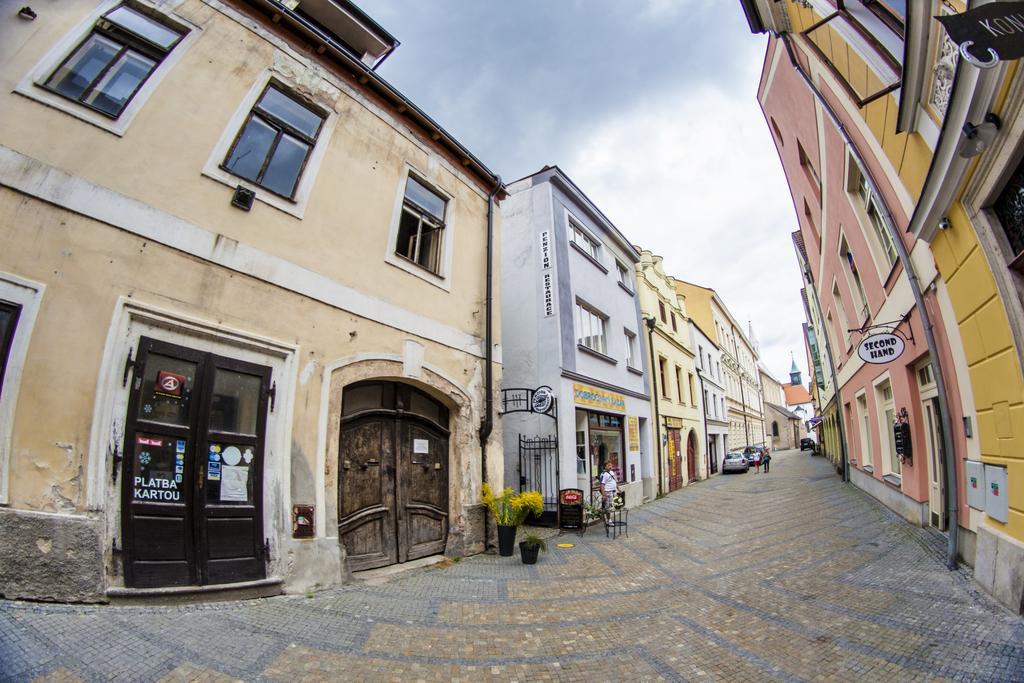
<point>540,400</point>
<point>570,509</point>
<point>881,348</point>
<point>598,398</point>
<point>901,437</point>
<point>988,34</point>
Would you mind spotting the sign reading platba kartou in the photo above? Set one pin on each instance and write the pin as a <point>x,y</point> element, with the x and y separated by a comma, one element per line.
<point>881,348</point>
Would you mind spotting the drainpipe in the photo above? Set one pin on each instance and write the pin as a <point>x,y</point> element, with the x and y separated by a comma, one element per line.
<point>487,422</point>
<point>949,457</point>
<point>704,412</point>
<point>651,323</point>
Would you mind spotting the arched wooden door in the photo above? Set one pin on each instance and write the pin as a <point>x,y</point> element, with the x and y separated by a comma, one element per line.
<point>691,457</point>
<point>392,474</point>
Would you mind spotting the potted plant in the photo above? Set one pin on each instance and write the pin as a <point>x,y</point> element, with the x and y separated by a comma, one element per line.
<point>530,547</point>
<point>509,510</point>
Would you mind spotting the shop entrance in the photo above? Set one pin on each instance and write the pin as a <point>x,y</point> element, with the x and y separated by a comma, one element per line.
<point>392,474</point>
<point>605,446</point>
<point>675,459</point>
<point>691,457</point>
<point>192,489</point>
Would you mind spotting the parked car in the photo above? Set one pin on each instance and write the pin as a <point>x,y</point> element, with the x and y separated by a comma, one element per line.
<point>735,462</point>
<point>806,444</point>
<point>753,455</point>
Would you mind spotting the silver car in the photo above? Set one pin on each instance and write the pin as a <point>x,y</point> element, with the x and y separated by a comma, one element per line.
<point>735,462</point>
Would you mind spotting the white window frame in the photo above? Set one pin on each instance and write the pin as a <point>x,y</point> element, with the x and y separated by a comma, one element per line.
<point>837,300</point>
<point>304,187</point>
<point>885,432</point>
<point>867,456</point>
<point>582,308</point>
<point>591,246</point>
<point>623,274</point>
<point>631,355</point>
<point>865,205</point>
<point>32,84</point>
<point>28,295</point>
<point>442,278</point>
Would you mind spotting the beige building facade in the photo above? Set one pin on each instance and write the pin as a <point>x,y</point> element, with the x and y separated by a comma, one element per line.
<point>676,392</point>
<point>739,364</point>
<point>243,282</point>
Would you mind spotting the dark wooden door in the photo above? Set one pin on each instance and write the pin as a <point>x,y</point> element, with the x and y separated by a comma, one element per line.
<point>192,488</point>
<point>393,475</point>
<point>691,457</point>
<point>675,456</point>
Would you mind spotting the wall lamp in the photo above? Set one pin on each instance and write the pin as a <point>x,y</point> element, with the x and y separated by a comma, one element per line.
<point>977,138</point>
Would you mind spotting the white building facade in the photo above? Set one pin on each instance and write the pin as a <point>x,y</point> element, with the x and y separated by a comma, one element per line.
<point>572,320</point>
<point>708,362</point>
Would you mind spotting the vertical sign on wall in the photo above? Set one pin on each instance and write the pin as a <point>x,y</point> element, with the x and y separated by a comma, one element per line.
<point>545,267</point>
<point>633,429</point>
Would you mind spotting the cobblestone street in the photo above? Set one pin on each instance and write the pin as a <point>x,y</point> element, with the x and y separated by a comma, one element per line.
<point>781,576</point>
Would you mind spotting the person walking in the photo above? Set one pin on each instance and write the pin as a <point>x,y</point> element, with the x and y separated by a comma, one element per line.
<point>766,460</point>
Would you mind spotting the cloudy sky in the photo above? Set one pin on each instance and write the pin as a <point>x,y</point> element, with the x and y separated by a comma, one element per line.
<point>650,107</point>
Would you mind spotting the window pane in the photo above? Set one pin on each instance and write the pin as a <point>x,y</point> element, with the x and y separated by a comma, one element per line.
<point>424,198</point>
<point>114,90</point>
<point>8,321</point>
<point>408,234</point>
<point>430,247</point>
<point>166,391</point>
<point>234,406</point>
<point>283,170</point>
<point>72,79</point>
<point>251,149</point>
<point>144,27</point>
<point>291,112</point>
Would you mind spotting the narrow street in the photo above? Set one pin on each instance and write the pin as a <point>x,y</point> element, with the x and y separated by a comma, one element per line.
<point>782,576</point>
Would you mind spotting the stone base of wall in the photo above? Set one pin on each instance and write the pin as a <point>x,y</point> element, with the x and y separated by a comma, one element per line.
<point>313,564</point>
<point>468,539</point>
<point>909,509</point>
<point>967,543</point>
<point>999,567</point>
<point>51,557</point>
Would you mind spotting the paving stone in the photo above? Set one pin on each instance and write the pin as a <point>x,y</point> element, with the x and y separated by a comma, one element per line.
<point>789,576</point>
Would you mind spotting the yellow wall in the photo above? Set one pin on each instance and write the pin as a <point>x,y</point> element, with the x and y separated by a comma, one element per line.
<point>995,373</point>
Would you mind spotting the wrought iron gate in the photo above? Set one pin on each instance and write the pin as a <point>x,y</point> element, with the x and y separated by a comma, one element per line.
<point>538,471</point>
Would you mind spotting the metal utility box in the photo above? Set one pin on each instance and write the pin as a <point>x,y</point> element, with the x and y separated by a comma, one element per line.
<point>996,505</point>
<point>975,484</point>
<point>303,522</point>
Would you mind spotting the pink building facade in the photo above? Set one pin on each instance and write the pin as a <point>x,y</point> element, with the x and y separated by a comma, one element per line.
<point>841,187</point>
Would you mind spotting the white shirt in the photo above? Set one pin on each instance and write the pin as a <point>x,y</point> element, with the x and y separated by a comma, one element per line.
<point>608,480</point>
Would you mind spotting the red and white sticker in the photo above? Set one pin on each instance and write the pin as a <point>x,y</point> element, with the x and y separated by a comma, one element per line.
<point>169,384</point>
<point>146,441</point>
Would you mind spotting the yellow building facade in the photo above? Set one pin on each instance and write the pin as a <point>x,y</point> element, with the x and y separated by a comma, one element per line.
<point>679,431</point>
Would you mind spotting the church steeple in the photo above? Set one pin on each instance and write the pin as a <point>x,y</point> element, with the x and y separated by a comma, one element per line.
<point>794,373</point>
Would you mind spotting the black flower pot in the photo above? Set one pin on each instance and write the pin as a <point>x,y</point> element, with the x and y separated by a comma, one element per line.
<point>528,554</point>
<point>506,540</point>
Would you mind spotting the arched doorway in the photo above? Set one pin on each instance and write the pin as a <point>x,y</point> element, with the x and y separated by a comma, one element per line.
<point>691,457</point>
<point>392,474</point>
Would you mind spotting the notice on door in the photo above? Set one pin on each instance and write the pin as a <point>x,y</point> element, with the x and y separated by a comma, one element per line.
<point>421,446</point>
<point>234,483</point>
<point>157,468</point>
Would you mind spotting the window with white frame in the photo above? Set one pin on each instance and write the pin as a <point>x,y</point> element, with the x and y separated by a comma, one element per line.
<point>421,226</point>
<point>579,236</point>
<point>866,204</point>
<point>123,49</point>
<point>632,361</point>
<point>887,418</point>
<point>679,384</point>
<point>867,457</point>
<point>623,274</point>
<point>275,142</point>
<point>852,274</point>
<point>590,327</point>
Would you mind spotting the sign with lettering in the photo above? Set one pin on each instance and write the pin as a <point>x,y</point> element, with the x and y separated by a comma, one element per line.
<point>633,431</point>
<point>598,398</point>
<point>541,401</point>
<point>169,384</point>
<point>997,26</point>
<point>547,281</point>
<point>570,509</point>
<point>901,437</point>
<point>881,348</point>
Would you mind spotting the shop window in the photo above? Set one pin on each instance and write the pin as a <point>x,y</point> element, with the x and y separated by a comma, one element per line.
<point>1009,209</point>
<point>579,236</point>
<point>8,322</point>
<point>106,70</point>
<point>274,143</point>
<point>421,226</point>
<point>590,328</point>
<point>887,418</point>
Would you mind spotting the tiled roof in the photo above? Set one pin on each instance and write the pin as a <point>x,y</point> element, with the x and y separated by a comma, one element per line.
<point>795,394</point>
